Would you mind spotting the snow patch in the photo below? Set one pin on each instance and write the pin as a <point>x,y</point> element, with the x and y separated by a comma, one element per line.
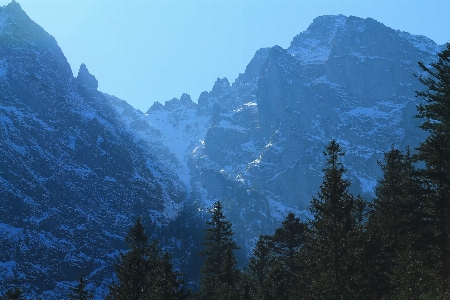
<point>109,178</point>
<point>8,267</point>
<point>367,185</point>
<point>72,140</point>
<point>229,125</point>
<point>9,229</point>
<point>372,112</point>
<point>422,43</point>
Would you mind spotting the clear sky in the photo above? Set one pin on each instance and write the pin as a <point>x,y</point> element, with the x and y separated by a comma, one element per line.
<point>151,50</point>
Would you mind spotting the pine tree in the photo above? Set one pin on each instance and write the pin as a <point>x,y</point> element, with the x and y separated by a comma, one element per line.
<point>393,230</point>
<point>133,267</point>
<point>144,272</point>
<point>334,244</point>
<point>80,292</point>
<point>435,153</point>
<point>167,283</point>
<point>260,267</point>
<point>219,275</point>
<point>287,241</point>
<point>261,259</point>
<point>13,294</point>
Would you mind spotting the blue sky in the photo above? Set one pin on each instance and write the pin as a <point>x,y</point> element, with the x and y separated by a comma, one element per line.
<point>146,51</point>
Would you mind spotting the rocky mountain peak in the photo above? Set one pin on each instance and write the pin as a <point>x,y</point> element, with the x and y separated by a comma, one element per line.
<point>252,71</point>
<point>313,45</point>
<point>29,51</point>
<point>156,106</point>
<point>183,103</point>
<point>86,79</point>
<point>14,7</point>
<point>326,25</point>
<point>186,100</point>
<point>330,36</point>
<point>218,95</point>
<point>221,86</point>
<point>85,164</point>
<point>15,26</point>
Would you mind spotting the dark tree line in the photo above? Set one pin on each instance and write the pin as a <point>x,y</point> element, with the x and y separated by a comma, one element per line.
<point>395,247</point>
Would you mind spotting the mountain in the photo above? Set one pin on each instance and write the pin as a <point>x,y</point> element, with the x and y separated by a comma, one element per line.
<point>344,78</point>
<point>73,175</point>
<point>77,166</point>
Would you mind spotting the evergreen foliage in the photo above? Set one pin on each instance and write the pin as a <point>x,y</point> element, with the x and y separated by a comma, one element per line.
<point>261,259</point>
<point>435,153</point>
<point>394,229</point>
<point>260,266</point>
<point>219,274</point>
<point>334,242</point>
<point>80,291</point>
<point>145,272</point>
<point>13,294</point>
<point>287,241</point>
<point>399,248</point>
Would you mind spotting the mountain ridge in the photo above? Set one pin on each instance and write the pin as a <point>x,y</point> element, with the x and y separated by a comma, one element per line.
<point>78,165</point>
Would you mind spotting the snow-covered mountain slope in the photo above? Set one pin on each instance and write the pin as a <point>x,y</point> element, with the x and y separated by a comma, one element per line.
<point>73,174</point>
<point>344,78</point>
<point>77,165</point>
<point>183,130</point>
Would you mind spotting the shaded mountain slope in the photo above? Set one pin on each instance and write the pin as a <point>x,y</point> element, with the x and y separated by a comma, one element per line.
<point>73,175</point>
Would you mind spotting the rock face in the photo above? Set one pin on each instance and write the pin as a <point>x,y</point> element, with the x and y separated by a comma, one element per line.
<point>73,175</point>
<point>344,78</point>
<point>78,165</point>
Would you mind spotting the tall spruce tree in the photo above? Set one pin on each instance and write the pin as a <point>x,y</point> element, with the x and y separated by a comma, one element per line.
<point>144,272</point>
<point>435,153</point>
<point>261,267</point>
<point>167,282</point>
<point>261,259</point>
<point>288,239</point>
<point>219,274</point>
<point>333,247</point>
<point>287,242</point>
<point>393,251</point>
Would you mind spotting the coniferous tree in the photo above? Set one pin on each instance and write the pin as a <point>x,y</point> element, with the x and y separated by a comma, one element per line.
<point>144,272</point>
<point>435,153</point>
<point>287,242</point>
<point>288,239</point>
<point>13,294</point>
<point>167,283</point>
<point>260,268</point>
<point>393,248</point>
<point>333,246</point>
<point>133,267</point>
<point>80,291</point>
<point>219,275</point>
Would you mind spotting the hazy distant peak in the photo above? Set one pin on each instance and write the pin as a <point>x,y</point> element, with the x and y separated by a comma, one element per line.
<point>14,9</point>
<point>184,102</point>
<point>185,98</point>
<point>313,45</point>
<point>340,35</point>
<point>14,5</point>
<point>254,66</point>
<point>156,106</point>
<point>220,85</point>
<point>328,19</point>
<point>86,79</point>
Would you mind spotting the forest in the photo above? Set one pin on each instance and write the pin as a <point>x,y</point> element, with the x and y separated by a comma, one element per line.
<point>396,246</point>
